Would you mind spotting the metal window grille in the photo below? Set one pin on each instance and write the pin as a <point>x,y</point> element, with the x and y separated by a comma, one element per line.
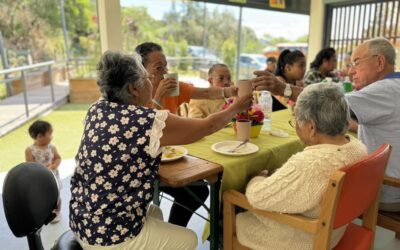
<point>350,24</point>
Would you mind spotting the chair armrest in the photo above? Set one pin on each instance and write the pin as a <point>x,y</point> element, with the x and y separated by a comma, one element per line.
<point>298,221</point>
<point>391,181</point>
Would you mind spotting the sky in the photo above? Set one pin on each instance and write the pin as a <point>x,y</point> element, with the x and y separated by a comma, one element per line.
<point>277,24</point>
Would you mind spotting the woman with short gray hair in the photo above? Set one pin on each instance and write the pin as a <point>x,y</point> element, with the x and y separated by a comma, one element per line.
<point>116,72</point>
<point>119,157</point>
<point>326,106</point>
<point>321,120</point>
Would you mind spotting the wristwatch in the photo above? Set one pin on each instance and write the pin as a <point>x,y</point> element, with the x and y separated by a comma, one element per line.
<point>287,93</point>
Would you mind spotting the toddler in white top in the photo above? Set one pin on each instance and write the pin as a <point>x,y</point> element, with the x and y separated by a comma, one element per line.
<point>42,152</point>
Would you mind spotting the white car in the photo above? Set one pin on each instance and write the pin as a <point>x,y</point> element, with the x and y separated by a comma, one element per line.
<point>248,63</point>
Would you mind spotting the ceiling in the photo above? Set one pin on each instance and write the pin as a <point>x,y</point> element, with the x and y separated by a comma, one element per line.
<point>291,6</point>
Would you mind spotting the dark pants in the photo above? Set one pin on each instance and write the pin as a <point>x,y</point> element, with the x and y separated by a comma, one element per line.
<point>179,215</point>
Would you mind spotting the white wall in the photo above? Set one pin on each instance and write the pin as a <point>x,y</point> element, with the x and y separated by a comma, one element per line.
<point>316,36</point>
<point>109,16</point>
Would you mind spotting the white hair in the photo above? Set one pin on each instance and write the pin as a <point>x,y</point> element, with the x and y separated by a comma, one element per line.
<point>116,71</point>
<point>382,46</point>
<point>326,106</point>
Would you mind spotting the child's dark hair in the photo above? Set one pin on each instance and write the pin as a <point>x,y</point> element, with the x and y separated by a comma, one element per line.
<point>326,54</point>
<point>287,57</point>
<point>39,127</point>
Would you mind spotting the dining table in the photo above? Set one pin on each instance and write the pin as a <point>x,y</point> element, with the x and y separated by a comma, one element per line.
<point>238,170</point>
<point>223,172</point>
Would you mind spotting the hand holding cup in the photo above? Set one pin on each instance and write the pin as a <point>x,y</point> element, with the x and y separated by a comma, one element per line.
<point>172,79</point>
<point>244,88</point>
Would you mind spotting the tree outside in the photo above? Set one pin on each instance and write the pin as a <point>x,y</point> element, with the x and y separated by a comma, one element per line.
<point>32,32</point>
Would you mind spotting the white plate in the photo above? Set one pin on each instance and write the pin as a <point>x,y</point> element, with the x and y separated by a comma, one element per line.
<point>180,152</point>
<point>224,146</point>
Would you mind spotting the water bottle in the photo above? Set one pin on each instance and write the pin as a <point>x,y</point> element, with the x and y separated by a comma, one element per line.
<point>265,102</point>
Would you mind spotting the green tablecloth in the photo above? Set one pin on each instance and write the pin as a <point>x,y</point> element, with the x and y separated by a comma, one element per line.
<point>238,170</point>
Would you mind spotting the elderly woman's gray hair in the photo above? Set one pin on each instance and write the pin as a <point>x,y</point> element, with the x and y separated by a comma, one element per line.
<point>382,46</point>
<point>326,106</point>
<point>116,71</point>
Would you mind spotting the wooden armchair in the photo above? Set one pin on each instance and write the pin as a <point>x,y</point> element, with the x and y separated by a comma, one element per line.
<point>351,192</point>
<point>390,220</point>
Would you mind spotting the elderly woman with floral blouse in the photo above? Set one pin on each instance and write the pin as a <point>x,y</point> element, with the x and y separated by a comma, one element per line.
<point>155,62</point>
<point>119,157</point>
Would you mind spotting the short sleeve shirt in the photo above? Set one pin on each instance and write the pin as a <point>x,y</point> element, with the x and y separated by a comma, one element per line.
<point>377,107</point>
<point>185,93</point>
<point>113,181</point>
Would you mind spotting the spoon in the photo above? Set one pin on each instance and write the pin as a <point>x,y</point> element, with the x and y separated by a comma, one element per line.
<point>238,146</point>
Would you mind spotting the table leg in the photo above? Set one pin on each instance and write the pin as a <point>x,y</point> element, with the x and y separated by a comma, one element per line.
<point>214,222</point>
<point>156,194</point>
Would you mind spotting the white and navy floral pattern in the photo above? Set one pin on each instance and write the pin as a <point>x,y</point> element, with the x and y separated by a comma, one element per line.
<point>113,182</point>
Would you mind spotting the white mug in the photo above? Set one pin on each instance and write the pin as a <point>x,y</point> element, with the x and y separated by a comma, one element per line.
<point>174,92</point>
<point>243,129</point>
<point>245,87</point>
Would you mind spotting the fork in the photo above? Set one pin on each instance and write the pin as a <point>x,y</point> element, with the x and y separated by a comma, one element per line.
<point>238,146</point>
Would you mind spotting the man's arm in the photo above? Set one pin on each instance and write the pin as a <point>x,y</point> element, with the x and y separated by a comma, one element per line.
<point>267,81</point>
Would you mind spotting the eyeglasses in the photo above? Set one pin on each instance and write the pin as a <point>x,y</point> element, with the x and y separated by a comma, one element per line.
<point>292,122</point>
<point>160,68</point>
<point>356,63</point>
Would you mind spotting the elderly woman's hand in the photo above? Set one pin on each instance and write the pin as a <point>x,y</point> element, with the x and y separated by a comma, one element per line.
<point>164,88</point>
<point>267,81</point>
<point>230,91</point>
<point>242,103</point>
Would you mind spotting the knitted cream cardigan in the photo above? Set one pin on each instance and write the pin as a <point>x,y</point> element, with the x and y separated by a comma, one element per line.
<point>296,187</point>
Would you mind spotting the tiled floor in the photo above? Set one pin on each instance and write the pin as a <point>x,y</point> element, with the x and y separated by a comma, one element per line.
<point>384,239</point>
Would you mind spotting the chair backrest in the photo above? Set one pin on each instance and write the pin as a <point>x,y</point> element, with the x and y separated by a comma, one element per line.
<point>361,185</point>
<point>30,194</point>
<point>183,110</point>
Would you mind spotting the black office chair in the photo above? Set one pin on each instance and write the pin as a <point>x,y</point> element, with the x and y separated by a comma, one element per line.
<point>30,195</point>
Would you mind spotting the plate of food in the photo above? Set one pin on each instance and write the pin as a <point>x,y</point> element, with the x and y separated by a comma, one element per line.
<point>172,153</point>
<point>231,148</point>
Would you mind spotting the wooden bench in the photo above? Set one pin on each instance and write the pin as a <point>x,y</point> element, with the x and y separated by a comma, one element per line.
<point>390,220</point>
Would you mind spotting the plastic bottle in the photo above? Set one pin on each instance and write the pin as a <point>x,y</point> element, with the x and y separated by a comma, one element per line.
<point>265,101</point>
<point>347,86</point>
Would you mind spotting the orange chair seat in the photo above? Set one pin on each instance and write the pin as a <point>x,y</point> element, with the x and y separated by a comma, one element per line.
<point>355,238</point>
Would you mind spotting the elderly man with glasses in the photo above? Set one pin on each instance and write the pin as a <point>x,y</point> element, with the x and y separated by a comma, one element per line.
<point>375,103</point>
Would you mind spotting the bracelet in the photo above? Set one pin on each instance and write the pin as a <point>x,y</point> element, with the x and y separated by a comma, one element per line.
<point>156,103</point>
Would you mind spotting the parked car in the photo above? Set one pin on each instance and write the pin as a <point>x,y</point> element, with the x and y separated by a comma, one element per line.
<point>203,57</point>
<point>248,63</point>
<point>199,51</point>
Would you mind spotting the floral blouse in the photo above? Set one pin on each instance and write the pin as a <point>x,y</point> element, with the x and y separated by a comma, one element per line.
<point>315,76</point>
<point>117,163</point>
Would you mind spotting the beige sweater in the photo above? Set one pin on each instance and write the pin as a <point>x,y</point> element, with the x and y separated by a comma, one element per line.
<point>201,108</point>
<point>297,187</point>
